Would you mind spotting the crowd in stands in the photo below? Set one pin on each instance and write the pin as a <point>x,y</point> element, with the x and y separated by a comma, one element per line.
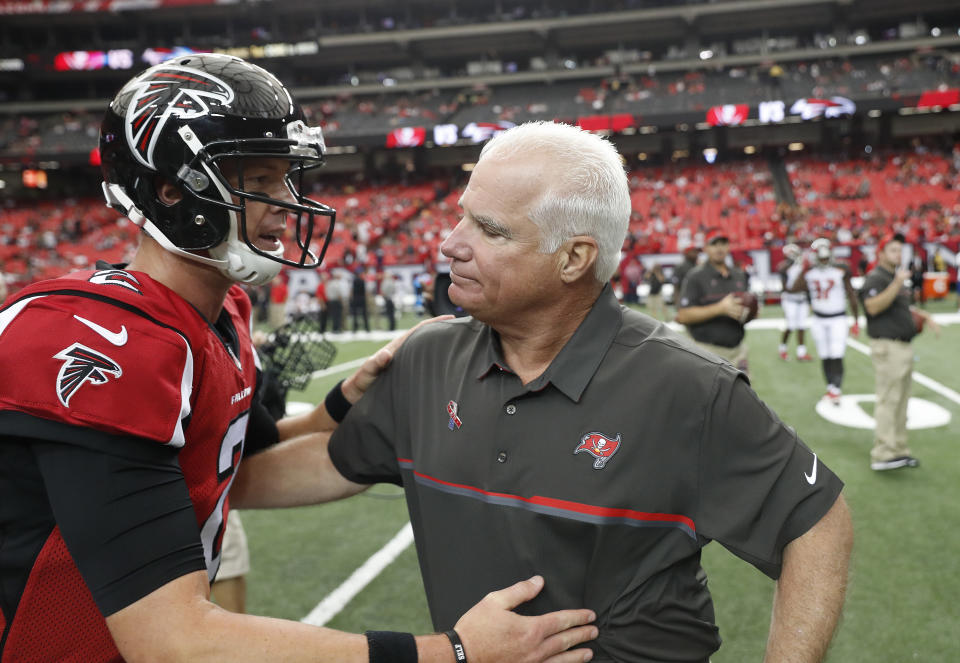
<point>375,224</point>
<point>851,201</point>
<point>638,95</point>
<point>49,135</point>
<point>48,239</point>
<point>674,206</point>
<point>916,192</point>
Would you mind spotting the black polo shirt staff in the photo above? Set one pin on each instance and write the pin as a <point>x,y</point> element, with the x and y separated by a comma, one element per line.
<point>705,285</point>
<point>606,475</point>
<point>894,322</point>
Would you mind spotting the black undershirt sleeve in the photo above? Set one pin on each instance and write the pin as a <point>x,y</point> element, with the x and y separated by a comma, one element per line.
<point>261,430</point>
<point>124,513</point>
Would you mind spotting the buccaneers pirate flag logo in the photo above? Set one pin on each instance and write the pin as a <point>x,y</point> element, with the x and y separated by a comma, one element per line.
<point>599,446</point>
<point>80,365</point>
<point>173,91</point>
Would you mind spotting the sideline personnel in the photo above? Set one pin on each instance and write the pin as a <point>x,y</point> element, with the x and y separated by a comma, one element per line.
<point>891,328</point>
<point>710,307</point>
<point>556,430</point>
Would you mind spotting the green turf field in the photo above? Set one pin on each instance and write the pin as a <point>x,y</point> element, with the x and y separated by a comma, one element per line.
<point>902,602</point>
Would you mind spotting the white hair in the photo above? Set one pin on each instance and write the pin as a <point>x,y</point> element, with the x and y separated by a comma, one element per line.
<point>586,190</point>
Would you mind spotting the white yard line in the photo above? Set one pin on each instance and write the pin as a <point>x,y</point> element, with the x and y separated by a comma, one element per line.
<point>337,600</point>
<point>339,368</point>
<point>777,323</point>
<point>918,377</point>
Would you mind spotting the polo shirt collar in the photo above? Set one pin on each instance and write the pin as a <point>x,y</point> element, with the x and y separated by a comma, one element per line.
<point>709,265</point>
<point>577,362</point>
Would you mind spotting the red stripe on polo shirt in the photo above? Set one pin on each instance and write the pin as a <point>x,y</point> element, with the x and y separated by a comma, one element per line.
<point>566,505</point>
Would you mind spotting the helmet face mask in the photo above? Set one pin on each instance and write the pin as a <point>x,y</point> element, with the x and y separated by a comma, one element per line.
<point>182,121</point>
<point>303,212</point>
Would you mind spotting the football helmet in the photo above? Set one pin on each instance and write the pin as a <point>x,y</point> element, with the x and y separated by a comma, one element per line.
<point>821,247</point>
<point>180,122</point>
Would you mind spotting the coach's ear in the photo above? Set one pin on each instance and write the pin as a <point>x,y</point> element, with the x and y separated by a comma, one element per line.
<point>576,258</point>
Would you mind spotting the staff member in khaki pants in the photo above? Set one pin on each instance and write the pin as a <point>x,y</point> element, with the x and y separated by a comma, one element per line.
<point>891,327</point>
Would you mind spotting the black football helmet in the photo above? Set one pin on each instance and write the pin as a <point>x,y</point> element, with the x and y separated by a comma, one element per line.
<point>179,121</point>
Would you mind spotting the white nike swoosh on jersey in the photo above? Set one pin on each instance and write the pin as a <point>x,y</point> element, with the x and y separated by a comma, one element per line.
<point>116,338</point>
<point>812,477</point>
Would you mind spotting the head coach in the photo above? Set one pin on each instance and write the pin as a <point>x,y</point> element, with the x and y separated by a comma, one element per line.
<point>556,432</point>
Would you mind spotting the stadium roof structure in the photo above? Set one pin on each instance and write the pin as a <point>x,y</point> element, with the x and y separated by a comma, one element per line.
<point>340,38</point>
<point>371,49</point>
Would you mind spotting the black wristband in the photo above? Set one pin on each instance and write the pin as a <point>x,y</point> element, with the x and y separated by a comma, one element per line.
<point>459,653</point>
<point>337,404</point>
<point>391,647</point>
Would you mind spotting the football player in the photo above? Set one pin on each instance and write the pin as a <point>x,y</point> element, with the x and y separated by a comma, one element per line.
<point>827,284</point>
<point>795,305</point>
<point>131,397</point>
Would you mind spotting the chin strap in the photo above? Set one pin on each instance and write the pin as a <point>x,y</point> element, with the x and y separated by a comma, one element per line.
<point>232,258</point>
<point>243,265</point>
<point>118,199</point>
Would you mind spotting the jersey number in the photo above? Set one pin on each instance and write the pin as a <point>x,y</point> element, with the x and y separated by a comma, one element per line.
<point>231,449</point>
<point>821,289</point>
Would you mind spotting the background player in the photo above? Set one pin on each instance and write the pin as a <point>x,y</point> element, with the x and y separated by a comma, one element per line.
<point>795,305</point>
<point>827,284</point>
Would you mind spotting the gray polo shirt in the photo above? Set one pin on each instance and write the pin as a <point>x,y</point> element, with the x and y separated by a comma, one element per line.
<point>703,286</point>
<point>607,475</point>
<point>894,322</point>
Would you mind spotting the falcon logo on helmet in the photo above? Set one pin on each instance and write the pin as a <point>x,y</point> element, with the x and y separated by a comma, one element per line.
<point>81,364</point>
<point>181,92</point>
<point>177,124</point>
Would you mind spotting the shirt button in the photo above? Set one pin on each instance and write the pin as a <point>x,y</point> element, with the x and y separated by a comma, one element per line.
<point>502,457</point>
<point>511,409</point>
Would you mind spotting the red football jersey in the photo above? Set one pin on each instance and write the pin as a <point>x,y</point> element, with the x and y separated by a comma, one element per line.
<point>119,353</point>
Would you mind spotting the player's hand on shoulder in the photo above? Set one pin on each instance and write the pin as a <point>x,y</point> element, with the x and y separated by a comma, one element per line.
<point>357,384</point>
<point>491,632</point>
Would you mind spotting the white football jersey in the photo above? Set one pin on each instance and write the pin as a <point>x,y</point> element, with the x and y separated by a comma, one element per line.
<point>828,296</point>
